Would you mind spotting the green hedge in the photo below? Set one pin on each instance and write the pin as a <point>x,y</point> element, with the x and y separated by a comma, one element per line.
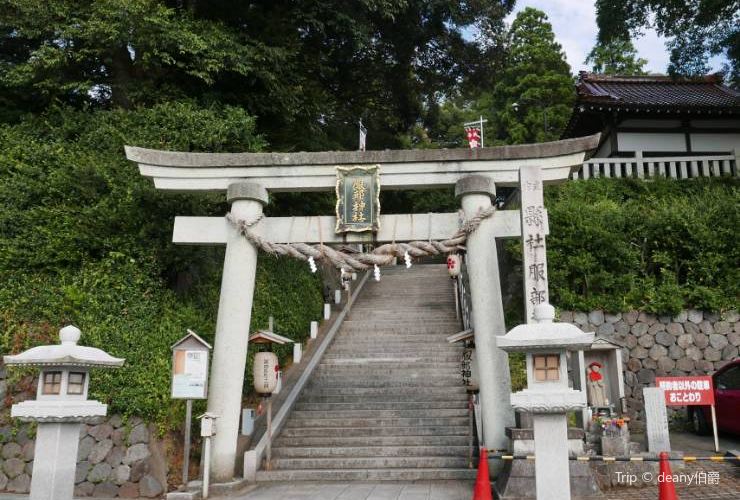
<point>85,239</point>
<point>657,246</point>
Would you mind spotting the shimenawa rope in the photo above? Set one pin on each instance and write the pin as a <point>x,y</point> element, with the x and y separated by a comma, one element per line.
<point>381,256</point>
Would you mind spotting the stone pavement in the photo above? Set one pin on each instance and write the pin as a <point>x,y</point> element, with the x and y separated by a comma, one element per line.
<point>358,490</point>
<point>728,487</point>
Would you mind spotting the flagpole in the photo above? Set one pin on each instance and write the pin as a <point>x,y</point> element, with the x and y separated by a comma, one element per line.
<point>481,130</point>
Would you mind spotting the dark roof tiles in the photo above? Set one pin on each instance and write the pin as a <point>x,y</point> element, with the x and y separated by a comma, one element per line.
<point>656,91</point>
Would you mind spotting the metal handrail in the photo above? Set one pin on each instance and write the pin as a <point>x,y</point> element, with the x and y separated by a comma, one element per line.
<point>463,309</point>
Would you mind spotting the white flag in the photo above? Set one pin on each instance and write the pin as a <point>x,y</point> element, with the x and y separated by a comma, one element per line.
<point>363,136</point>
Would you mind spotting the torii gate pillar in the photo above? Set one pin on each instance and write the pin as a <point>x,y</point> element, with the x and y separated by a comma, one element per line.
<point>476,193</point>
<point>232,329</point>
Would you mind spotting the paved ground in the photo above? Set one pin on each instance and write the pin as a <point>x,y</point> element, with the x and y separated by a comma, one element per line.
<point>378,490</point>
<point>727,487</point>
<point>726,474</point>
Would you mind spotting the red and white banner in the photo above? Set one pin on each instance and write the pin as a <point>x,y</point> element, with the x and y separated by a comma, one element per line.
<point>473,134</point>
<point>686,391</point>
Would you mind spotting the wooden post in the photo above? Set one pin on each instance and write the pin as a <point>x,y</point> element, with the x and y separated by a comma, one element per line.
<point>269,434</point>
<point>186,450</point>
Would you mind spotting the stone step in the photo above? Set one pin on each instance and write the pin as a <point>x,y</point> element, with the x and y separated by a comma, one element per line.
<point>385,358</point>
<point>385,370</point>
<point>443,315</point>
<point>387,400</point>
<point>375,413</point>
<point>341,442</point>
<point>369,463</point>
<point>415,384</point>
<point>398,337</point>
<point>338,423</point>
<point>458,402</point>
<point>415,474</point>
<point>365,369</point>
<point>369,451</point>
<point>390,343</point>
<point>377,323</point>
<point>435,430</point>
<point>386,363</point>
<point>383,397</point>
<point>388,393</point>
<point>428,355</point>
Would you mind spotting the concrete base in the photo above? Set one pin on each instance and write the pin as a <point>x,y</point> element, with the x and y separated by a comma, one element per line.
<point>53,472</point>
<point>517,480</point>
<point>195,488</point>
<point>521,441</point>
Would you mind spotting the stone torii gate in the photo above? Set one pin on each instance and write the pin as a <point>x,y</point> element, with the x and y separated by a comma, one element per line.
<point>248,177</point>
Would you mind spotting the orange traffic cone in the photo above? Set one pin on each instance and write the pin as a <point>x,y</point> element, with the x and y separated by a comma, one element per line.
<point>482,490</point>
<point>666,489</point>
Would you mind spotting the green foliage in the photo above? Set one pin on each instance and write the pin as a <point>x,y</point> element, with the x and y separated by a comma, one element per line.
<point>616,57</point>
<point>655,246</point>
<point>531,102</point>
<point>85,239</point>
<point>308,69</point>
<point>696,30</point>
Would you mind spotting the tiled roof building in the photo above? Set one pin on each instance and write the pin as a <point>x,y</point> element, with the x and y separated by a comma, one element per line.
<point>656,115</point>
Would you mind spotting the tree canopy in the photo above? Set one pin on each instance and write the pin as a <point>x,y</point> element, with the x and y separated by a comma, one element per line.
<point>307,69</point>
<point>532,99</point>
<point>696,30</point>
<point>616,57</point>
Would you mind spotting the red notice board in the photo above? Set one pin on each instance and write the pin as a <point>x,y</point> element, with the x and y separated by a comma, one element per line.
<point>686,391</point>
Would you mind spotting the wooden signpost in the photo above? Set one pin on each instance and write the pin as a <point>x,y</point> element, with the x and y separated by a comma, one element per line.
<point>690,391</point>
<point>189,381</point>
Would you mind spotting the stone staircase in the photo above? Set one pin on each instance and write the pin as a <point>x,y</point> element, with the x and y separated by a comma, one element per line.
<point>386,401</point>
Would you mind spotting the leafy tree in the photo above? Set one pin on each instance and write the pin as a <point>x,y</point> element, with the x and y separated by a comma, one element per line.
<point>616,57</point>
<point>308,69</point>
<point>85,239</point>
<point>532,100</point>
<point>696,28</point>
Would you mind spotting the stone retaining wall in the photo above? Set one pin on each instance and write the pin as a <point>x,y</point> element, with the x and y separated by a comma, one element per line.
<point>690,343</point>
<point>117,457</point>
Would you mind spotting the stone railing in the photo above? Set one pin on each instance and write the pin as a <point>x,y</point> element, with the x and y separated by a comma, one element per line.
<point>675,167</point>
<point>690,343</point>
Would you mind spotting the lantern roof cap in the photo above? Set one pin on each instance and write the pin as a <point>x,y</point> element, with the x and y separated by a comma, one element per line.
<point>268,337</point>
<point>67,353</point>
<point>545,334</point>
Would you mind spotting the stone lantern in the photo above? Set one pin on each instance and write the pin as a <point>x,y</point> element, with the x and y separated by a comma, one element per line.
<point>547,396</point>
<point>60,408</point>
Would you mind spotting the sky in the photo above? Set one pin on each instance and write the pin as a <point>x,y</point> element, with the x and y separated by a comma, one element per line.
<point>574,23</point>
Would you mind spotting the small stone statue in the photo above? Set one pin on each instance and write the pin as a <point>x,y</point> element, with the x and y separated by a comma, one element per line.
<point>595,386</point>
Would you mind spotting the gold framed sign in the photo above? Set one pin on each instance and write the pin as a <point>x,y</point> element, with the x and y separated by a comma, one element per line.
<point>358,199</point>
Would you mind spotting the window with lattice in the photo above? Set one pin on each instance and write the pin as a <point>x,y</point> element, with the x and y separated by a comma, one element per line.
<point>76,383</point>
<point>546,367</point>
<point>52,383</point>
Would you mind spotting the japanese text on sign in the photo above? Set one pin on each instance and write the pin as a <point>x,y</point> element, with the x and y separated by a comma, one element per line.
<point>358,205</point>
<point>189,374</point>
<point>686,391</point>
<point>534,228</point>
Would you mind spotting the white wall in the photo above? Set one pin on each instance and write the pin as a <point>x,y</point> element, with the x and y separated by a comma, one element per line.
<point>636,141</point>
<point>715,142</point>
